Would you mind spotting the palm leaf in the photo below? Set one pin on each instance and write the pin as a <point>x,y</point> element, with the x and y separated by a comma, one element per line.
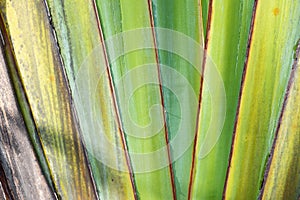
<point>149,99</point>
<point>262,93</point>
<point>41,75</point>
<point>16,158</point>
<point>226,46</point>
<point>282,173</point>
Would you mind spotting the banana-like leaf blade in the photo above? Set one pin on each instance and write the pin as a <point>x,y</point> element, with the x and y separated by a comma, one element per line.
<point>42,76</point>
<point>275,32</point>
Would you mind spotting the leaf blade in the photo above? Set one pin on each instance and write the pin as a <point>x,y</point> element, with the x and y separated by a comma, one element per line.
<point>263,90</point>
<point>42,76</point>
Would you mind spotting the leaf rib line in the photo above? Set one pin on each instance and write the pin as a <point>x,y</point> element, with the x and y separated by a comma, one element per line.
<point>108,71</point>
<point>240,95</point>
<point>207,39</point>
<point>162,99</point>
<point>287,93</point>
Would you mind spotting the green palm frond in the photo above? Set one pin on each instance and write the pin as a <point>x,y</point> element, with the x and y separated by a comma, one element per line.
<point>149,99</point>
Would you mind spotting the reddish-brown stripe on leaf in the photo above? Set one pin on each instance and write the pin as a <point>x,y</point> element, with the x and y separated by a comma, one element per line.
<point>162,99</point>
<point>240,94</point>
<point>108,71</point>
<point>208,26</point>
<point>287,93</point>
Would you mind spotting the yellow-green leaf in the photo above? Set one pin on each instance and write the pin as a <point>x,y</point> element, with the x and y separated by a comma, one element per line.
<point>275,32</point>
<point>283,175</point>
